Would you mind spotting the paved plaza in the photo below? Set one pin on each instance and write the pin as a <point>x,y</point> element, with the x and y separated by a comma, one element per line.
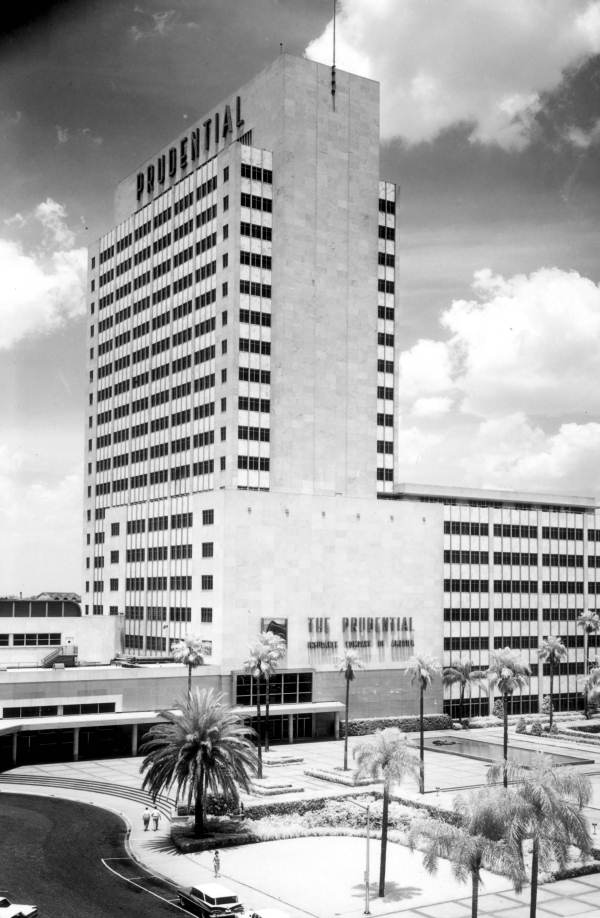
<point>324,877</point>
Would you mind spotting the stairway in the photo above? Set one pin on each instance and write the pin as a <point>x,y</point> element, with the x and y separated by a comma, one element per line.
<point>165,805</point>
<point>66,655</point>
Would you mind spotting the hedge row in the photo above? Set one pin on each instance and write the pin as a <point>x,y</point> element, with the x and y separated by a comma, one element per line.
<point>408,724</point>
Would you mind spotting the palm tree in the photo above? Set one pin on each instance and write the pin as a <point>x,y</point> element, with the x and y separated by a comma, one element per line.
<point>203,747</point>
<point>465,674</point>
<point>188,651</point>
<point>422,670</point>
<point>552,652</point>
<point>589,622</point>
<point>477,841</point>
<point>507,672</point>
<point>348,664</point>
<point>390,757</point>
<point>591,687</point>
<point>265,654</point>
<point>547,807</point>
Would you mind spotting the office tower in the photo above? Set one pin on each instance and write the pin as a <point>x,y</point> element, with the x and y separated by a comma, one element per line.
<point>241,337</point>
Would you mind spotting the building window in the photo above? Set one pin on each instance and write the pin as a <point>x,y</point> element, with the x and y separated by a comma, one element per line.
<point>114,557</point>
<point>225,232</point>
<point>208,517</point>
<point>226,174</point>
<point>223,404</point>
<point>207,549</point>
<point>114,529</point>
<point>224,288</point>
<point>113,610</point>
<point>114,584</point>
<point>206,615</point>
<point>207,582</point>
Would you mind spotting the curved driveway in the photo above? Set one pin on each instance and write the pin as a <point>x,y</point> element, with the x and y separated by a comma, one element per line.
<point>51,855</point>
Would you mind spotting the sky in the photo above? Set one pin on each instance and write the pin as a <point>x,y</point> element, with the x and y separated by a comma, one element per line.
<point>491,127</point>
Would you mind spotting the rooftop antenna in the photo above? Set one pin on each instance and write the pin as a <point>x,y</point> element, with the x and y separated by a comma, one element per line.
<point>333,64</point>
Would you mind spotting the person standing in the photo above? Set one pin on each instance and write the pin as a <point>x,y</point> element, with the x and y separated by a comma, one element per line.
<point>217,864</point>
<point>155,818</point>
<point>146,819</point>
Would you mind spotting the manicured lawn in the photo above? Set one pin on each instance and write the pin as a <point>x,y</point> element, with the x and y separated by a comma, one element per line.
<point>325,876</point>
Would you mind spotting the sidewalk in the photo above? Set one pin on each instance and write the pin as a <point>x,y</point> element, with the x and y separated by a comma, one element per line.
<point>264,875</point>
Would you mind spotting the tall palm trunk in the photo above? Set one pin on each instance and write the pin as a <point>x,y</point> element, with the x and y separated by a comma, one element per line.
<point>267,700</point>
<point>475,893</point>
<point>189,680</point>
<point>421,745</point>
<point>534,877</point>
<point>199,805</point>
<point>384,834</point>
<point>586,708</point>
<point>346,728</point>
<point>505,744</point>
<point>551,692</point>
<point>461,703</point>
<point>259,729</point>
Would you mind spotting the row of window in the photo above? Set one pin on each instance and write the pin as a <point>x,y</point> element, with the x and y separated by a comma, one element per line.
<point>180,582</point>
<point>30,640</point>
<point>464,585</point>
<point>257,174</point>
<point>54,710</point>
<point>254,463</point>
<point>161,523</point>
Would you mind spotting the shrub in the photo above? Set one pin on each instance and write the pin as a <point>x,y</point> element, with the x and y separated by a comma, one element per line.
<point>465,723</point>
<point>547,705</point>
<point>536,729</point>
<point>520,728</point>
<point>407,724</point>
<point>498,709</point>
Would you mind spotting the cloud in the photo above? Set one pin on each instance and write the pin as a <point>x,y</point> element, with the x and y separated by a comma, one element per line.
<point>40,532</point>
<point>53,217</point>
<point>162,24</point>
<point>470,61</point>
<point>64,135</point>
<point>510,394</point>
<point>42,287</point>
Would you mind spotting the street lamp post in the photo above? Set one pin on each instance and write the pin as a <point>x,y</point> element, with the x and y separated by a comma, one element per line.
<point>367,807</point>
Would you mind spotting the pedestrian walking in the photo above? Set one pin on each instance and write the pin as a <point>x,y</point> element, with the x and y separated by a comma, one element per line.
<point>217,864</point>
<point>146,819</point>
<point>155,818</point>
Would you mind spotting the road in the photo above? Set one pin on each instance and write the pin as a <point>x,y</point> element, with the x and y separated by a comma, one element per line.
<point>52,854</point>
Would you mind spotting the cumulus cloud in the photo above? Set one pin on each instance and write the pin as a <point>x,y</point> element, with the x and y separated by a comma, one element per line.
<point>64,135</point>
<point>40,533</point>
<point>161,24</point>
<point>43,286</point>
<point>469,61</point>
<point>510,394</point>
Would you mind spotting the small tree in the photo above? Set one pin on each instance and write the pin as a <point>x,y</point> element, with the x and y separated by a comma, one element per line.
<point>202,748</point>
<point>591,688</point>
<point>547,807</point>
<point>552,652</point>
<point>265,654</point>
<point>422,670</point>
<point>589,622</point>
<point>348,664</point>
<point>387,756</point>
<point>188,651</point>
<point>477,841</point>
<point>507,672</point>
<point>464,674</point>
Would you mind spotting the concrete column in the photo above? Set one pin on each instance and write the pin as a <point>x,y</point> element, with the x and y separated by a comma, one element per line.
<point>336,725</point>
<point>290,728</point>
<point>15,748</point>
<point>313,725</point>
<point>76,744</point>
<point>134,739</point>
